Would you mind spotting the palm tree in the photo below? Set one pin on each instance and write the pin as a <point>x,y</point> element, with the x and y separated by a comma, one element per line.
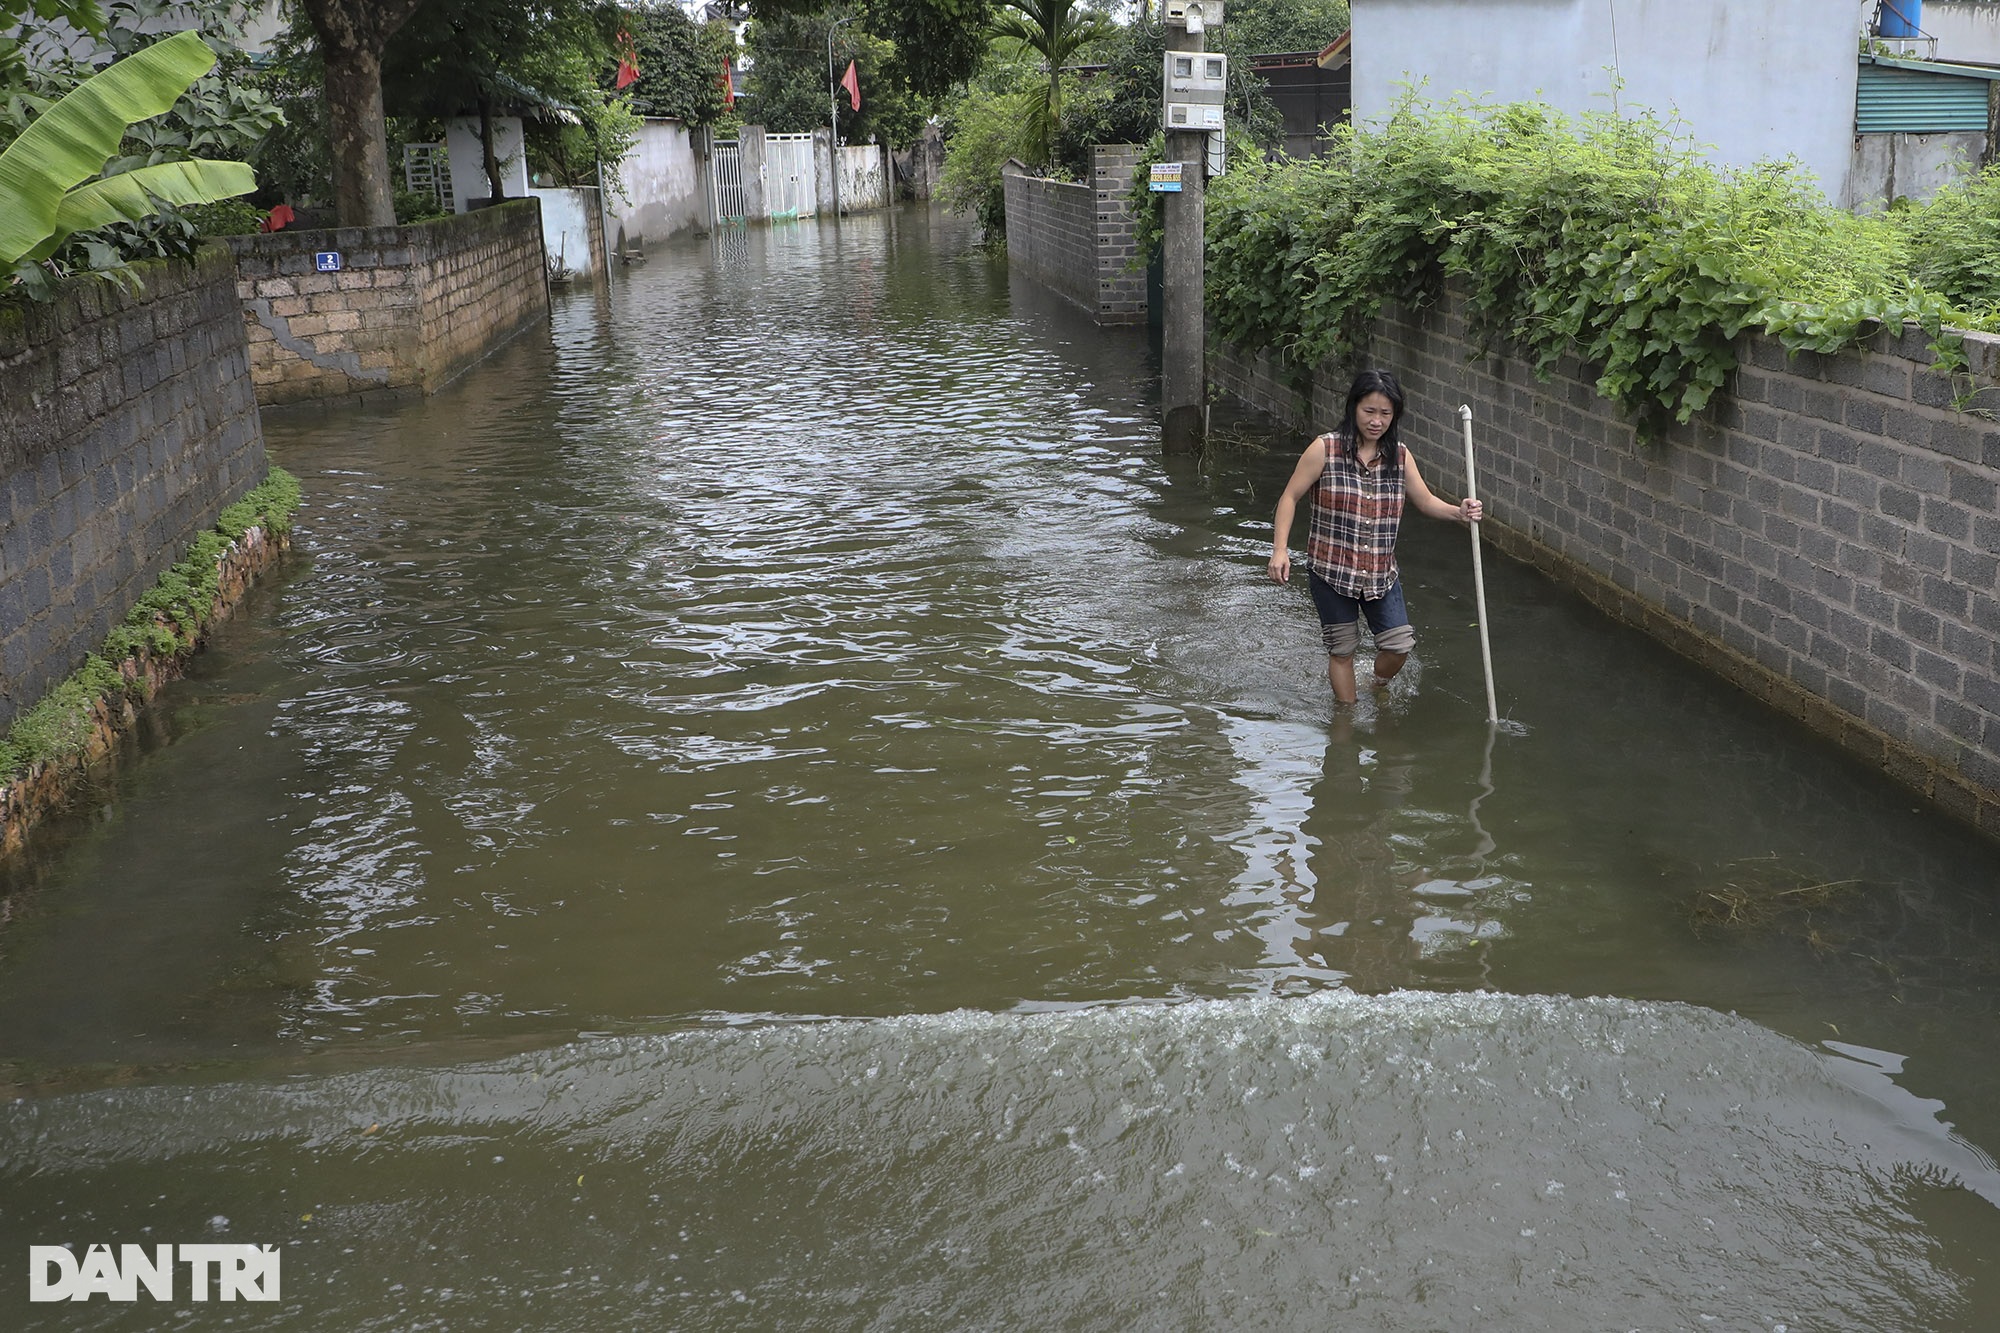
<point>1054,30</point>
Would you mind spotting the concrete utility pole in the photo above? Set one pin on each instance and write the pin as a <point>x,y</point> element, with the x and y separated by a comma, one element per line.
<point>1193,109</point>
<point>833,117</point>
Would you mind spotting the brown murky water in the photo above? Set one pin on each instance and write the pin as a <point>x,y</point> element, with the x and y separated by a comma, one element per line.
<point>776,808</point>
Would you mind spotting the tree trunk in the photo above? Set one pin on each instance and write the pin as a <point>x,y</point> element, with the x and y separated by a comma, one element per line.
<point>494,184</point>
<point>352,35</point>
<point>359,134</point>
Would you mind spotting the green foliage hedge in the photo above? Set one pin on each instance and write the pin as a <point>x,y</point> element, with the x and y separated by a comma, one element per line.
<point>1603,237</point>
<point>986,131</point>
<point>167,620</point>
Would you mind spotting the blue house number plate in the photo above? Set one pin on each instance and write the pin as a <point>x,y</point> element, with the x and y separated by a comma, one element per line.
<point>326,261</point>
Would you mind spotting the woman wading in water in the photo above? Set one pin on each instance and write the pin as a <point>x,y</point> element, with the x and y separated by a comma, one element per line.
<point>1358,476</point>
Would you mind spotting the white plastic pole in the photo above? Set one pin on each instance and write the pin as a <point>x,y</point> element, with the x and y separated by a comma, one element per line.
<point>1478,572</point>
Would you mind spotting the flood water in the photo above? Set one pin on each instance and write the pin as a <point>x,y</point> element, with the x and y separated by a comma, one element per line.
<point>774,807</point>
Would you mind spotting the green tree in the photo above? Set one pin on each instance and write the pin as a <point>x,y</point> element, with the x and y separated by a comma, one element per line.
<point>680,64</point>
<point>224,113</point>
<point>939,43</point>
<point>790,86</point>
<point>85,16</point>
<point>890,108</point>
<point>985,130</point>
<point>352,36</point>
<point>46,171</point>
<point>592,125</point>
<point>479,56</point>
<point>785,89</point>
<point>1121,102</point>
<point>1055,31</point>
<point>1265,27</point>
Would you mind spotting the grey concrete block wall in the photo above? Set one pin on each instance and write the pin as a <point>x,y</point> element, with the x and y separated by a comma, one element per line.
<point>1078,239</point>
<point>127,422</point>
<point>1827,534</point>
<point>1051,229</point>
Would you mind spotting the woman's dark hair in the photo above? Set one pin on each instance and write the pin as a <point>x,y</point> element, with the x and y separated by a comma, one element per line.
<point>1367,382</point>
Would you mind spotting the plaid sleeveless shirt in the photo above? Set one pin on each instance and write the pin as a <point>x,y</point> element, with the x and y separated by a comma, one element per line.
<point>1355,512</point>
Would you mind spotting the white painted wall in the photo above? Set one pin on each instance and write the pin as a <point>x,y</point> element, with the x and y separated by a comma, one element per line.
<point>823,166</point>
<point>864,178</point>
<point>662,188</point>
<point>468,159</point>
<point>1968,33</point>
<point>1756,79</point>
<point>566,229</point>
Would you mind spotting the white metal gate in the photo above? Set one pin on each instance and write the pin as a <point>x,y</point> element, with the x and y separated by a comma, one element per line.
<point>725,182</point>
<point>788,175</point>
<point>426,171</point>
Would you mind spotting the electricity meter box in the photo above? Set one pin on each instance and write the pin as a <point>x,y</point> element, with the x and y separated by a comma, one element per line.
<point>1195,85</point>
<point>1194,115</point>
<point>1194,15</point>
<point>1190,73</point>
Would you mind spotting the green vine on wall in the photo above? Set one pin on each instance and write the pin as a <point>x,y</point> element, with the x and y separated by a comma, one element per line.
<point>168,619</point>
<point>1606,238</point>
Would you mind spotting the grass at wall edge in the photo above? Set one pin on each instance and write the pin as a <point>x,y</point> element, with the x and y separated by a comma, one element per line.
<point>169,619</point>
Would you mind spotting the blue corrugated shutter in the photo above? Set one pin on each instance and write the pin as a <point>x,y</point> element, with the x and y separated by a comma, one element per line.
<point>1904,101</point>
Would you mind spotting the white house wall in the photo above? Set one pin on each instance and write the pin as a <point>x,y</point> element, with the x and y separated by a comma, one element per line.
<point>1753,79</point>
<point>1966,33</point>
<point>468,159</point>
<point>662,188</point>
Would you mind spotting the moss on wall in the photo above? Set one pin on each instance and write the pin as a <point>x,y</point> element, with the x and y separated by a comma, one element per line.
<point>168,621</point>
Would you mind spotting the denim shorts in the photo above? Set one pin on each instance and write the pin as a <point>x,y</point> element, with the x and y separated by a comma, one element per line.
<point>1337,608</point>
<point>1384,613</point>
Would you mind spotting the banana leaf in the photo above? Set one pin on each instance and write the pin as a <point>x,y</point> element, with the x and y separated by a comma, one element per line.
<point>130,196</point>
<point>71,141</point>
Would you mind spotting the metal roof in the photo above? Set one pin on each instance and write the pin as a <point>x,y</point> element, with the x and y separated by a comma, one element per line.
<point>1934,67</point>
<point>1917,97</point>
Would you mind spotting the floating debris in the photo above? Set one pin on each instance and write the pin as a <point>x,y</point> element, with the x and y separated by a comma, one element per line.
<point>1761,893</point>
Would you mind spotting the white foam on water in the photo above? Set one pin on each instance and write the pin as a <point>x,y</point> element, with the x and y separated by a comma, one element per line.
<point>1408,1161</point>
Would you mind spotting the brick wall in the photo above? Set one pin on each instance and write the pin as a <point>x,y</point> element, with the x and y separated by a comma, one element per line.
<point>1827,536</point>
<point>127,423</point>
<point>485,280</point>
<point>1077,239</point>
<point>410,308</point>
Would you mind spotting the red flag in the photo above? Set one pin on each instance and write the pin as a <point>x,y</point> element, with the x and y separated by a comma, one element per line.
<point>852,82</point>
<point>728,82</point>
<point>628,62</point>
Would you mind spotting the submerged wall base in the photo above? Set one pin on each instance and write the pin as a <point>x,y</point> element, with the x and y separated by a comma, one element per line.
<point>51,786</point>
